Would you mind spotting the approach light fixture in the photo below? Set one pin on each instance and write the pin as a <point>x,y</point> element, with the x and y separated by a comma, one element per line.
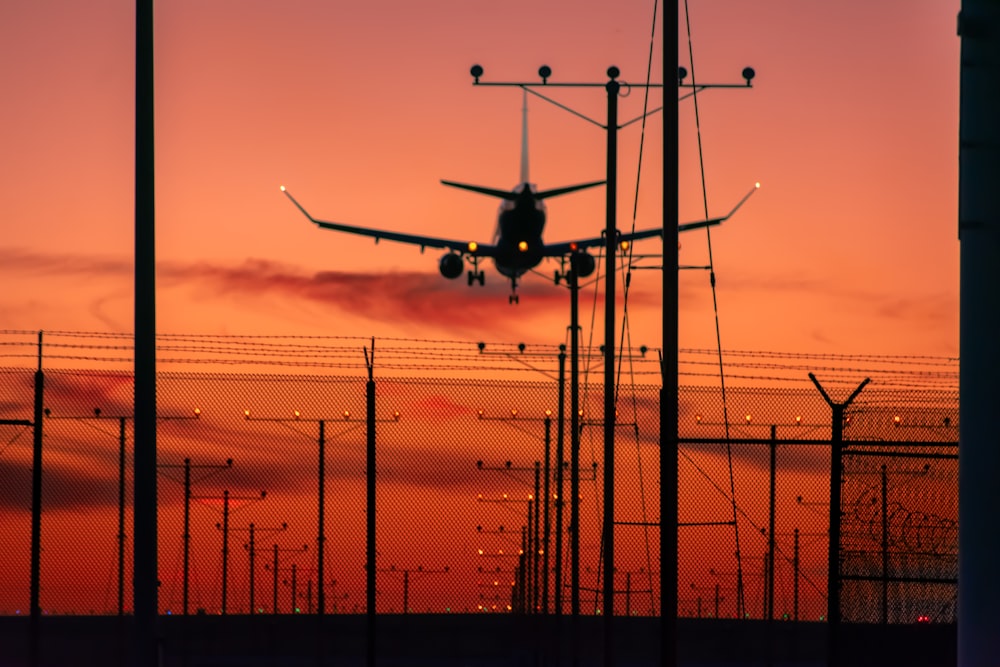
<point>681,74</point>
<point>545,72</point>
<point>476,72</point>
<point>749,74</point>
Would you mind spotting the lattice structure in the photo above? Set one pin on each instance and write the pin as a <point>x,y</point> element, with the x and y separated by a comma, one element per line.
<point>464,522</point>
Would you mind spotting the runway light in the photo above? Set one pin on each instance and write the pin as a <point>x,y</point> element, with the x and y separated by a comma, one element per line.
<point>246,413</point>
<point>896,421</point>
<point>548,413</point>
<point>522,246</point>
<point>798,420</point>
<point>513,412</point>
<point>749,418</point>
<point>197,412</point>
<point>480,414</point>
<point>697,419</point>
<point>347,414</point>
<point>297,414</point>
<point>395,415</point>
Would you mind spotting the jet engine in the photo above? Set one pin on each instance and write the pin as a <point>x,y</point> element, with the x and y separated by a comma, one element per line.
<point>583,263</point>
<point>451,265</point>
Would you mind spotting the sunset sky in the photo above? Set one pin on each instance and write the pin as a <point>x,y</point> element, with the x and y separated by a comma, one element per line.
<point>850,246</point>
<point>361,108</point>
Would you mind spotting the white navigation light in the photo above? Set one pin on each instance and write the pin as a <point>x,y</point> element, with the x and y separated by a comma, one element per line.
<point>282,188</point>
<point>522,246</point>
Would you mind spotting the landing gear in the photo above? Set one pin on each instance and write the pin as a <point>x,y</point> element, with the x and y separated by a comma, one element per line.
<point>513,298</point>
<point>475,274</point>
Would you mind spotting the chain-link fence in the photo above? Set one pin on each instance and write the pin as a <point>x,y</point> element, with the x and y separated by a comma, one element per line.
<point>472,480</point>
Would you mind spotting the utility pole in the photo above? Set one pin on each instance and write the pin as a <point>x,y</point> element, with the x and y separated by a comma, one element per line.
<point>418,571</point>
<point>274,567</point>
<point>251,548</point>
<point>226,498</point>
<point>187,481</point>
<point>833,555</point>
<point>352,424</point>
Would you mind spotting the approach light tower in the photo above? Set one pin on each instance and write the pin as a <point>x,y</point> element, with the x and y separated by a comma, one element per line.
<point>612,87</point>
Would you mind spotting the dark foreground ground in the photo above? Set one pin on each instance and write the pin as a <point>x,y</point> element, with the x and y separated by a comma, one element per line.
<point>460,640</point>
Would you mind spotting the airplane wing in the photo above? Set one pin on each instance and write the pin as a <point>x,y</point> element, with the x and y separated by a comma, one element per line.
<point>560,249</point>
<point>463,247</point>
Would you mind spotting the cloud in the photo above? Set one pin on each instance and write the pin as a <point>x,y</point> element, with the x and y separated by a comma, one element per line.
<point>423,299</point>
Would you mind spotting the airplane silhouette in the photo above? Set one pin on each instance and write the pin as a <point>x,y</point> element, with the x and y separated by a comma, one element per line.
<point>517,244</point>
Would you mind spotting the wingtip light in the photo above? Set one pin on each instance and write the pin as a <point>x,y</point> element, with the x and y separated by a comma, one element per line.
<point>282,187</point>
<point>755,185</point>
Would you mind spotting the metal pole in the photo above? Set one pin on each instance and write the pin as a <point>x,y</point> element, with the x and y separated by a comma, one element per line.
<point>770,525</point>
<point>574,448</point>
<point>253,609</point>
<point>833,553</point>
<point>274,590</point>
<point>144,590</point>
<point>611,240</point>
<point>322,506</point>
<point>295,589</point>
<point>121,516</point>
<point>885,549</point>
<point>225,548</point>
<point>545,517</point>
<point>187,531</point>
<point>795,585</point>
<point>979,307</point>
<point>370,552</point>
<point>558,584</point>
<point>669,391</point>
<point>528,568</point>
<point>406,591</point>
<point>536,542</point>
<point>716,600</point>
<point>36,513</point>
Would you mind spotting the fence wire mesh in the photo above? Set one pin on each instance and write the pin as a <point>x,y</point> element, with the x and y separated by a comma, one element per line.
<point>471,490</point>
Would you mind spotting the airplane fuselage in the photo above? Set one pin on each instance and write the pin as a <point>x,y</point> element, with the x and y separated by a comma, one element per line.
<point>520,223</point>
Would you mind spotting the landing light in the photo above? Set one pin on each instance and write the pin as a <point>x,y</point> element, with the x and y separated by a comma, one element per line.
<point>282,188</point>
<point>522,246</point>
<point>473,246</point>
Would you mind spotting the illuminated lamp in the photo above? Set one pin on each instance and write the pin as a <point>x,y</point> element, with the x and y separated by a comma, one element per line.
<point>522,246</point>
<point>197,412</point>
<point>624,245</point>
<point>697,419</point>
<point>749,418</point>
<point>896,420</point>
<point>347,414</point>
<point>798,420</point>
<point>246,413</point>
<point>297,414</point>
<point>473,246</point>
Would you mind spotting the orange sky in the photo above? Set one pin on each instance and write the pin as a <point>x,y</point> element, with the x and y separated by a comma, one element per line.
<point>360,109</point>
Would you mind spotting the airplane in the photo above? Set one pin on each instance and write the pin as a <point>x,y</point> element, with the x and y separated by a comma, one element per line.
<point>517,245</point>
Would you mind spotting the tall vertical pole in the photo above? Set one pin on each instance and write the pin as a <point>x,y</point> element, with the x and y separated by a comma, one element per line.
<point>770,525</point>
<point>36,513</point>
<point>406,591</point>
<point>295,589</point>
<point>795,584</point>
<point>537,542</point>
<point>187,533</point>
<point>121,516</point>
<point>979,308</point>
<point>545,517</point>
<point>833,553</point>
<point>321,539</point>
<point>371,553</point>
<point>669,390</point>
<point>885,548</point>
<point>274,574</point>
<point>611,249</point>
<point>225,549</point>
<point>253,570</point>
<point>528,561</point>
<point>144,542</point>
<point>560,497</point>
<point>574,448</point>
